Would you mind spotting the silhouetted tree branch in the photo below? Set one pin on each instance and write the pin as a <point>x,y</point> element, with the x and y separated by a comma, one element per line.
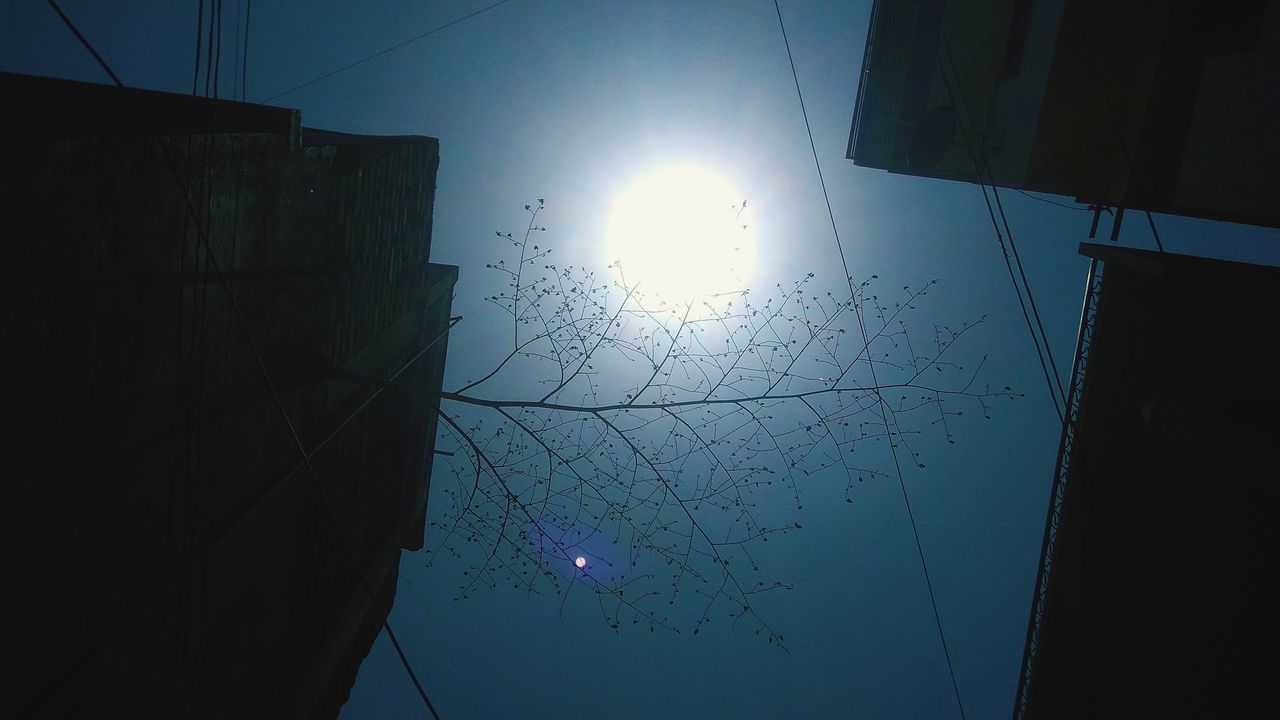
<point>639,450</point>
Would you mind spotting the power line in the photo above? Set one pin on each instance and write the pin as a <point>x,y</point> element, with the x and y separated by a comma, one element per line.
<point>995,193</point>
<point>217,58</point>
<point>1115,123</point>
<point>195,74</point>
<point>1020,191</point>
<point>266,376</point>
<point>884,414</point>
<point>1036,328</point>
<point>85,42</point>
<point>393,48</point>
<point>208,50</point>
<point>244,57</point>
<point>813,148</point>
<point>235,67</point>
<point>1154,233</point>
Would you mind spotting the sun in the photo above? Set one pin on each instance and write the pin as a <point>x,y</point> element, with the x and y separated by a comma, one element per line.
<point>681,232</point>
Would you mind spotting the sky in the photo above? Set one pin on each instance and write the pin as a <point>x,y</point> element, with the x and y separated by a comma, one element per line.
<point>571,102</point>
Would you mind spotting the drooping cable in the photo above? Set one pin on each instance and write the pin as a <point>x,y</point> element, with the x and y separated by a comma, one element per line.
<point>1034,328</point>
<point>1033,196</point>
<point>384,51</point>
<point>884,414</point>
<point>1004,220</point>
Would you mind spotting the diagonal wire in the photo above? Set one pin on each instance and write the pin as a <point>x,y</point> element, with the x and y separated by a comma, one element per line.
<point>244,58</point>
<point>1020,191</point>
<point>266,376</point>
<point>393,48</point>
<point>906,499</point>
<point>195,74</point>
<point>85,42</point>
<point>995,194</point>
<point>1055,389</point>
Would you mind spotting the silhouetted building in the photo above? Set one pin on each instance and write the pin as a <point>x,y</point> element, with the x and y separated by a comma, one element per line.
<point>1166,106</point>
<point>175,555</point>
<point>1156,595</point>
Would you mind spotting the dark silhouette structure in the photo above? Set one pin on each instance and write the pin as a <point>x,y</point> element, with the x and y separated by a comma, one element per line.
<point>1167,107</point>
<point>1156,591</point>
<point>1154,596</point>
<point>196,292</point>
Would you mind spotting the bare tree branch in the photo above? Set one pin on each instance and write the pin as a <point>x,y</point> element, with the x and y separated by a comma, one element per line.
<point>630,447</point>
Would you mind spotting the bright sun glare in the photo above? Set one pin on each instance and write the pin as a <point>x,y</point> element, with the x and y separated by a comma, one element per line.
<point>679,232</point>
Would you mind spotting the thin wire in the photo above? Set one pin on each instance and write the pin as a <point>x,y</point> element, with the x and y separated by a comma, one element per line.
<point>1154,233</point>
<point>906,499</point>
<point>208,52</point>
<point>1036,339</point>
<point>1046,200</point>
<point>995,193</point>
<point>217,63</point>
<point>1055,389</point>
<point>813,148</point>
<point>84,41</point>
<point>393,48</point>
<point>195,76</point>
<point>235,66</point>
<point>266,376</point>
<point>244,58</point>
<point>1022,273</point>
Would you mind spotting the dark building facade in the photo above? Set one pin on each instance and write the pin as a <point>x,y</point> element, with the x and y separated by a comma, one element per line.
<point>1165,106</point>
<point>178,272</point>
<point>1156,594</point>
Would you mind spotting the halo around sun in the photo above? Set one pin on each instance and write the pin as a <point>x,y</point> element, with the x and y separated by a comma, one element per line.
<point>682,233</point>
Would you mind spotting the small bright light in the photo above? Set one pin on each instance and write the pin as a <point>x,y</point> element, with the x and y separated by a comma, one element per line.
<point>678,232</point>
<point>580,562</point>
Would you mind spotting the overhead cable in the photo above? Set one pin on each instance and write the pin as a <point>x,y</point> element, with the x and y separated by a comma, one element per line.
<point>382,52</point>
<point>1044,354</point>
<point>884,415</point>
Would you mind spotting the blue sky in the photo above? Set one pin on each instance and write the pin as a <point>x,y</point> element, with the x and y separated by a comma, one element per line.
<point>569,101</point>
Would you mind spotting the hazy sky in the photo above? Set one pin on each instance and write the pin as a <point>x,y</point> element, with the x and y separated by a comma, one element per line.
<point>570,101</point>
